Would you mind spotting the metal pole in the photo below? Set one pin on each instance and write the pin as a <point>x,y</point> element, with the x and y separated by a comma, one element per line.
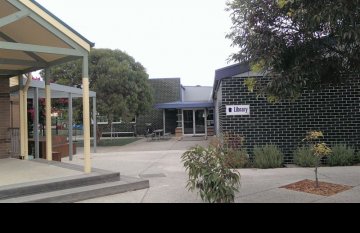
<point>95,123</point>
<point>164,121</point>
<point>194,122</point>
<point>26,129</point>
<point>36,122</point>
<point>48,116</point>
<point>70,114</point>
<point>206,125</point>
<point>56,125</point>
<point>111,130</point>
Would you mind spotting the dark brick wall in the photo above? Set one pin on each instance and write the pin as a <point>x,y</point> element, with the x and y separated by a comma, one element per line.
<point>334,110</point>
<point>165,91</point>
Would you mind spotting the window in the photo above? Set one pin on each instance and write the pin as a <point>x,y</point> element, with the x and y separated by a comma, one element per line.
<point>210,118</point>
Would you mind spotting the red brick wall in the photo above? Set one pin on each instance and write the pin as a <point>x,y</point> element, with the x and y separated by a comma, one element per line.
<point>4,117</point>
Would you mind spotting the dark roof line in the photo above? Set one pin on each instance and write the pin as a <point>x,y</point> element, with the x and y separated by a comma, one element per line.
<point>182,105</point>
<point>232,70</point>
<point>228,72</point>
<point>92,44</point>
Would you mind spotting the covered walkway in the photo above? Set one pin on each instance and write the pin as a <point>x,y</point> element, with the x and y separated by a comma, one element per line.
<point>37,91</point>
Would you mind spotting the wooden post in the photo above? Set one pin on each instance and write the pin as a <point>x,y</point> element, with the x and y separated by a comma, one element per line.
<point>86,115</point>
<point>22,128</point>
<point>25,119</point>
<point>48,116</point>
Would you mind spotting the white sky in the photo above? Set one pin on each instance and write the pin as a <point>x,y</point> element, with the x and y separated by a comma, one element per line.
<point>170,38</point>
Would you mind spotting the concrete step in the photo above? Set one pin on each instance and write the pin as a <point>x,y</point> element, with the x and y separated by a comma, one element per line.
<point>126,184</point>
<point>18,190</point>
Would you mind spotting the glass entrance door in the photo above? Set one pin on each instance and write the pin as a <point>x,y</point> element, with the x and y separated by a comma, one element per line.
<point>188,117</point>
<point>199,122</point>
<point>194,122</point>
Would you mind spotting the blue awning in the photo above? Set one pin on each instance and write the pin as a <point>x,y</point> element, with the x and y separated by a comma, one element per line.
<point>184,105</point>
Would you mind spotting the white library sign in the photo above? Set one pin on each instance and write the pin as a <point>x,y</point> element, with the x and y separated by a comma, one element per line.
<point>238,110</point>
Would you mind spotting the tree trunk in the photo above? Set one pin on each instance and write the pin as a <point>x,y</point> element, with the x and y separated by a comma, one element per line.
<point>99,131</point>
<point>316,173</point>
<point>110,124</point>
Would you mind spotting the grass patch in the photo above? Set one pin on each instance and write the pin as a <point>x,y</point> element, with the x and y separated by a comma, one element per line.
<point>109,142</point>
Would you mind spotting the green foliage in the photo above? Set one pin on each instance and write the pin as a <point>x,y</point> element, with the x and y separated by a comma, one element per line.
<point>304,157</point>
<point>208,174</point>
<point>300,44</point>
<point>120,82</point>
<point>319,149</point>
<point>250,83</point>
<point>341,155</point>
<point>357,158</point>
<point>268,156</point>
<point>272,99</point>
<point>232,147</point>
<point>236,159</point>
<point>281,3</point>
<point>258,67</point>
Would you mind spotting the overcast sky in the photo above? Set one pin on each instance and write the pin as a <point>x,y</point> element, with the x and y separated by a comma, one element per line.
<point>170,38</point>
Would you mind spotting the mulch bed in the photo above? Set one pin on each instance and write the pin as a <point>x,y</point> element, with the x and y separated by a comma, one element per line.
<point>325,189</point>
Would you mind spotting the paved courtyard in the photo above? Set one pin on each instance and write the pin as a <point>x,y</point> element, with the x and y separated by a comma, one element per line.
<point>159,161</point>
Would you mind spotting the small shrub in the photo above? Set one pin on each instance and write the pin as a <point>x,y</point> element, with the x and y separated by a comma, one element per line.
<point>304,157</point>
<point>341,156</point>
<point>237,159</point>
<point>209,175</point>
<point>232,141</point>
<point>357,158</point>
<point>268,156</point>
<point>231,144</point>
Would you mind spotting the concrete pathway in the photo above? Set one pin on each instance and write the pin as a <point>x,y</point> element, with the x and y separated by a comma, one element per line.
<point>263,186</point>
<point>160,163</point>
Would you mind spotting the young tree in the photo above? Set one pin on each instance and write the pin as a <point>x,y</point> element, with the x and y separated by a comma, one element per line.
<point>319,149</point>
<point>297,43</point>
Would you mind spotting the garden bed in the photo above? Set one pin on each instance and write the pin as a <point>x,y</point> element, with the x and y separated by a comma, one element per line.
<point>325,189</point>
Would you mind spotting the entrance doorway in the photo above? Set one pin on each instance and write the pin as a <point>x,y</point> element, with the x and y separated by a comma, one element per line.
<point>194,122</point>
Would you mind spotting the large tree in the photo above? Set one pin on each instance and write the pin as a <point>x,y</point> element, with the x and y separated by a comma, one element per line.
<point>297,43</point>
<point>120,82</point>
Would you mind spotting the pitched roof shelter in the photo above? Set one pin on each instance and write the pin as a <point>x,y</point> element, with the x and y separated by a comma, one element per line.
<point>31,38</point>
